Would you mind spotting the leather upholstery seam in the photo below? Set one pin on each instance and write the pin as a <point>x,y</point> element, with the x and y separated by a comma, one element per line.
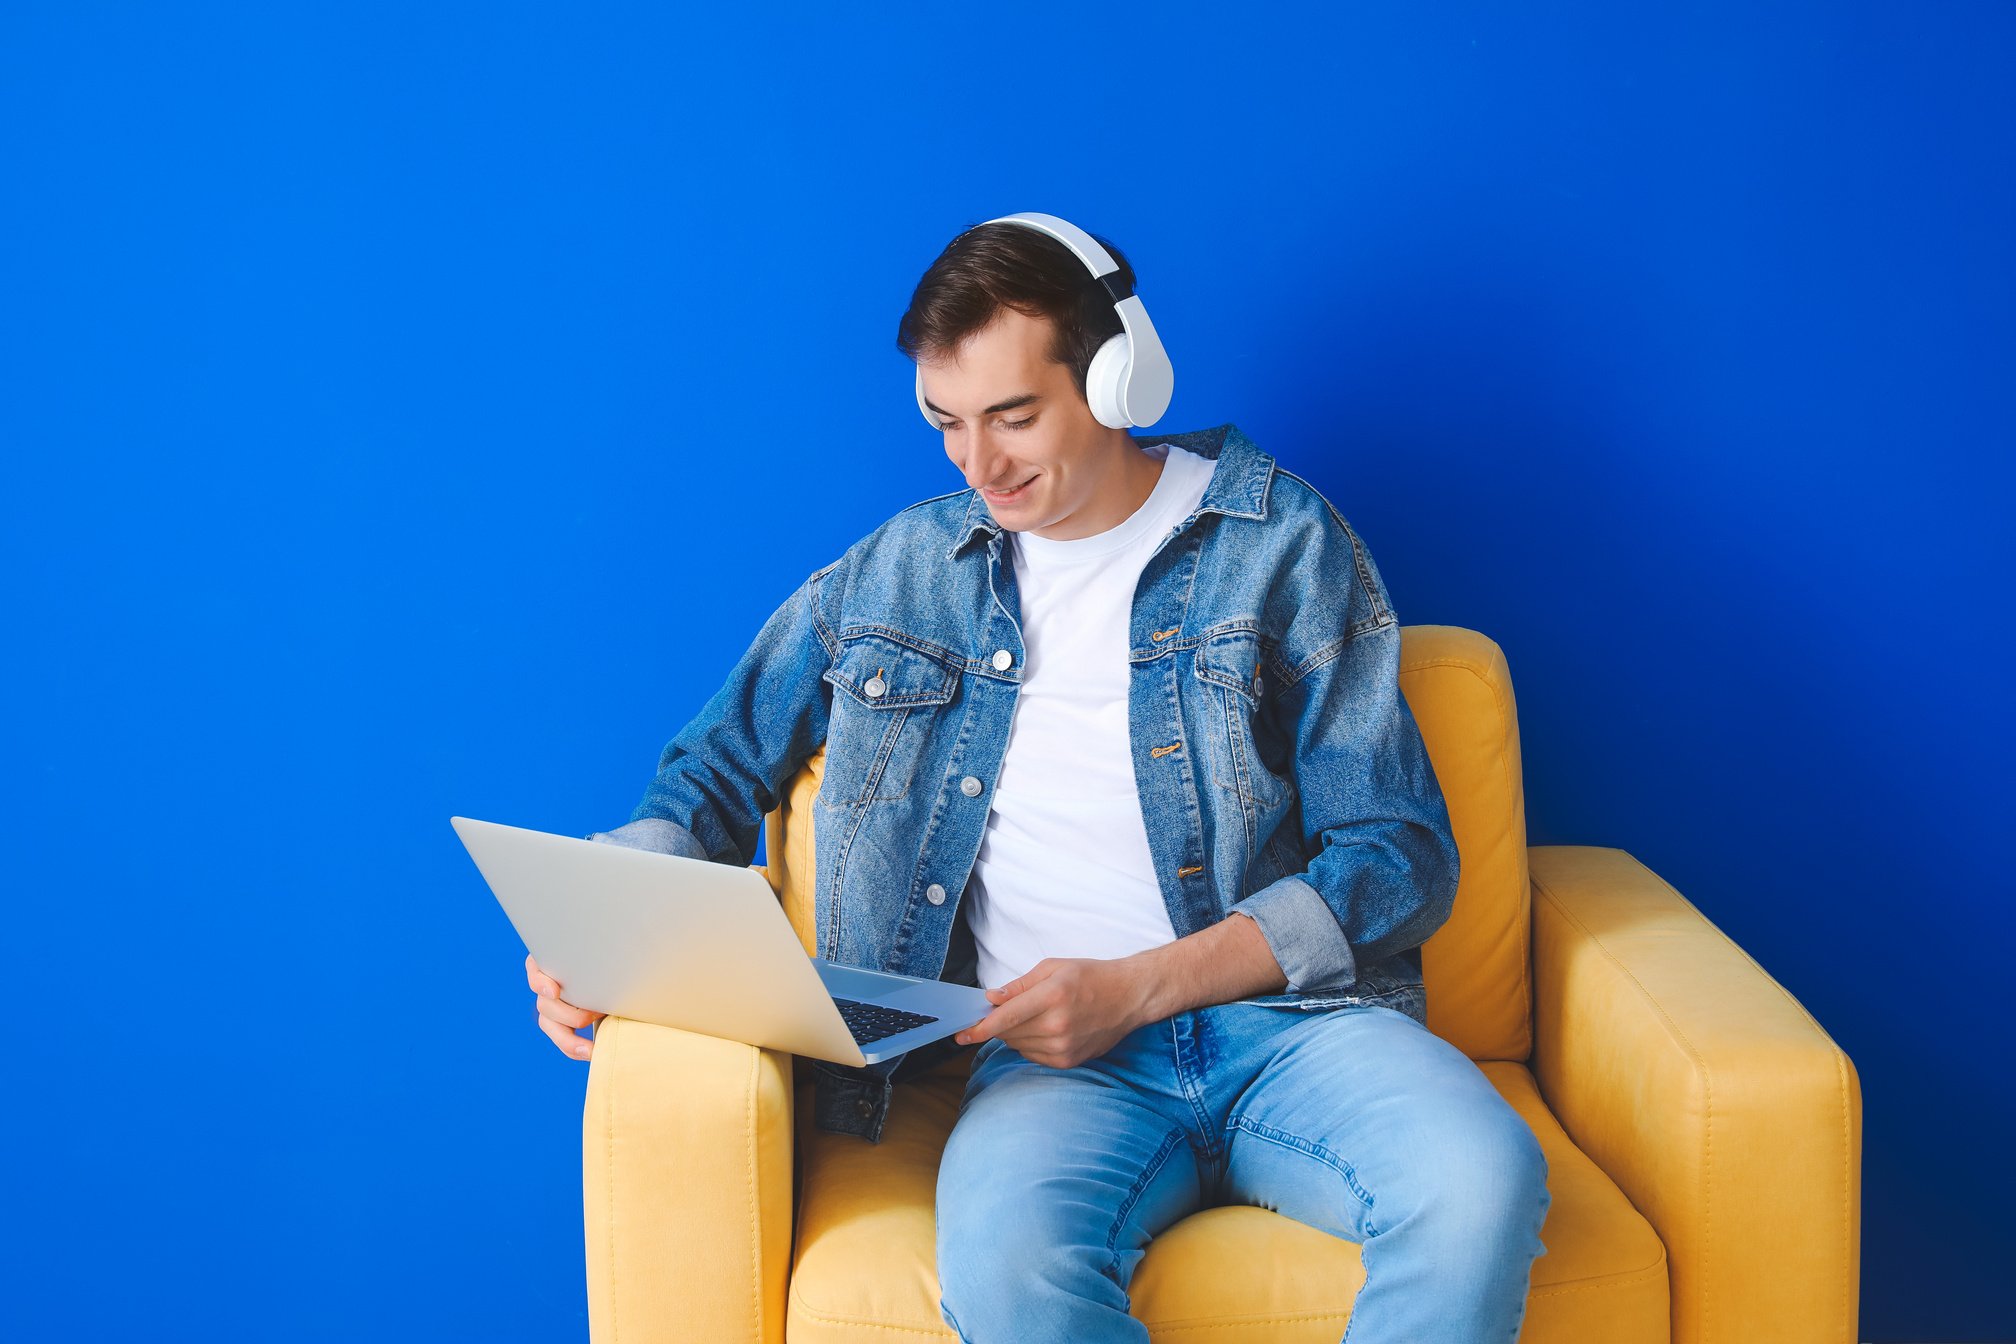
<point>824,1318</point>
<point>1601,1282</point>
<point>609,1192</point>
<point>798,1148</point>
<point>1701,1072</point>
<point>749,1178</point>
<point>1247,1322</point>
<point>1821,1032</point>
<point>1849,1227</point>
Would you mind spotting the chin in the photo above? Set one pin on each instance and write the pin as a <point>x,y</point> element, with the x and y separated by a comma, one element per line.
<point>1019,517</point>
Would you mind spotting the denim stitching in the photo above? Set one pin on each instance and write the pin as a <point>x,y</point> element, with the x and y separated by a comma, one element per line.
<point>883,752</point>
<point>953,1321</point>
<point>859,812</point>
<point>1141,1183</point>
<point>1303,1146</point>
<point>1337,646</point>
<point>1187,781</point>
<point>942,694</point>
<point>817,584</point>
<point>936,652</point>
<point>1242,784</point>
<point>1189,1091</point>
<point>1379,606</point>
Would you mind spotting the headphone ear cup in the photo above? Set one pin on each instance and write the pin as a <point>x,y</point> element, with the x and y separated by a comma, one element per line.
<point>1105,380</point>
<point>929,418</point>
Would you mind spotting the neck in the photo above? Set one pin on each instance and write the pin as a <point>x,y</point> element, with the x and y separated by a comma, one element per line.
<point>1128,478</point>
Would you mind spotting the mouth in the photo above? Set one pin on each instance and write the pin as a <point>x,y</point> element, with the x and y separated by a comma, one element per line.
<point>1008,496</point>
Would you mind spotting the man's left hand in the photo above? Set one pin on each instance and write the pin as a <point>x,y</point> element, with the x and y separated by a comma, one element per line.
<point>1066,1010</point>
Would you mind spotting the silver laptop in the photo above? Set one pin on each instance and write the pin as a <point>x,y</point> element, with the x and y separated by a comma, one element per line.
<point>699,945</point>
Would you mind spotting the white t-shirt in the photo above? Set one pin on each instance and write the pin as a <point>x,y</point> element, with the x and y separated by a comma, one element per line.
<point>1064,868</point>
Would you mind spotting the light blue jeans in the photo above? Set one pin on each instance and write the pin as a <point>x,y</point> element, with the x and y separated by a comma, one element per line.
<point>1356,1120</point>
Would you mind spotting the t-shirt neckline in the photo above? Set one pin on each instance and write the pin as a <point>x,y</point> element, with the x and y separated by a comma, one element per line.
<point>1168,485</point>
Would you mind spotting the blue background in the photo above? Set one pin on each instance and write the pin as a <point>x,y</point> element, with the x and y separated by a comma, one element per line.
<point>415,411</point>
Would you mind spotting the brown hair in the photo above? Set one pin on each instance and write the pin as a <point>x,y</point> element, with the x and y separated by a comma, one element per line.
<point>994,266</point>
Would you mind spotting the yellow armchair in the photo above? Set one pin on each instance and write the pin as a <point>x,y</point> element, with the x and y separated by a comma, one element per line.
<point>1703,1134</point>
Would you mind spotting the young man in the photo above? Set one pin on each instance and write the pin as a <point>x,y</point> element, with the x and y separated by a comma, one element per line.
<point>1116,733</point>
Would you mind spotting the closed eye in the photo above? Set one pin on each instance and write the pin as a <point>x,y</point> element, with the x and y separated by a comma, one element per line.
<point>1005,424</point>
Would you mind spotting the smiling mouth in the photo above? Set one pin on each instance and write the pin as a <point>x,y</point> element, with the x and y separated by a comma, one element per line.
<point>1009,494</point>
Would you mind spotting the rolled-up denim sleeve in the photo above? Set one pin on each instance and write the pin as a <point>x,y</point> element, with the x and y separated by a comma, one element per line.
<point>1383,873</point>
<point>656,834</point>
<point>723,772</point>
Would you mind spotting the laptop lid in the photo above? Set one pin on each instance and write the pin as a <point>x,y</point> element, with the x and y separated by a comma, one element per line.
<point>660,938</point>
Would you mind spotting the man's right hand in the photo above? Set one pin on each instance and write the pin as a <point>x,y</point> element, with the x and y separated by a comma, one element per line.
<point>557,1017</point>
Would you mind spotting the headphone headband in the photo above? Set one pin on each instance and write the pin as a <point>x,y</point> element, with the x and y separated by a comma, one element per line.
<point>1096,258</point>
<point>1130,380</point>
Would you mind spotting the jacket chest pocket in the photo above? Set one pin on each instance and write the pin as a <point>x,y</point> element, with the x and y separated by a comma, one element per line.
<point>1231,666</point>
<point>888,702</point>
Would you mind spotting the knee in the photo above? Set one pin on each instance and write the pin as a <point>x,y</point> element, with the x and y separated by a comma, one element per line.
<point>993,1270</point>
<point>979,1255</point>
<point>1509,1176</point>
<point>1489,1179</point>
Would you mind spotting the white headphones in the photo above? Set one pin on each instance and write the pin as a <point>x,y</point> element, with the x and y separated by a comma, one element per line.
<point>1130,380</point>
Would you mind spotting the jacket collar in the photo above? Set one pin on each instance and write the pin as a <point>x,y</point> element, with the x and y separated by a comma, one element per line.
<point>1238,487</point>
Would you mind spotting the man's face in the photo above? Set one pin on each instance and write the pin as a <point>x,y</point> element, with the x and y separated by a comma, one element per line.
<point>1017,428</point>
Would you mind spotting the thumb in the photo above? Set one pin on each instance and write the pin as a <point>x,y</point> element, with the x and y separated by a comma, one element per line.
<point>1013,987</point>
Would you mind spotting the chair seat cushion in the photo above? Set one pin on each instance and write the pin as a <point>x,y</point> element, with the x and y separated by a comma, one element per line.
<point>864,1259</point>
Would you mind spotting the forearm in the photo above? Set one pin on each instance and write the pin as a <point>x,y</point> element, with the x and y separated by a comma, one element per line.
<point>722,772</point>
<point>1226,962</point>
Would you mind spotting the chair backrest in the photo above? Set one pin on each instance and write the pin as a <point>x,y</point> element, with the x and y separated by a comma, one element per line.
<point>1460,691</point>
<point>1480,995</point>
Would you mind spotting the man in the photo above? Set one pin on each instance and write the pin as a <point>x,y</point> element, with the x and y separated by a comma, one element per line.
<point>1116,733</point>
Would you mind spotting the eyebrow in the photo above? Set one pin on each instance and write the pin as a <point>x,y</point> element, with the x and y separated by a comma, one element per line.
<point>1007,405</point>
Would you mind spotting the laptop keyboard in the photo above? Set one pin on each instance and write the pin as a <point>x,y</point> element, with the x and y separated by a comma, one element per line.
<point>871,1022</point>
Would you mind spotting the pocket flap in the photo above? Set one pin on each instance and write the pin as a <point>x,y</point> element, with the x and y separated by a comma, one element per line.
<point>1232,660</point>
<point>883,674</point>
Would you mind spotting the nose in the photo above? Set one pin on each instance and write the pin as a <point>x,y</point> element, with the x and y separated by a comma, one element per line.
<point>985,465</point>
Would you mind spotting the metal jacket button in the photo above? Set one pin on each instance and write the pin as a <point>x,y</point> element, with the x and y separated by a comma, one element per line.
<point>875,686</point>
<point>1002,660</point>
<point>970,787</point>
<point>935,894</point>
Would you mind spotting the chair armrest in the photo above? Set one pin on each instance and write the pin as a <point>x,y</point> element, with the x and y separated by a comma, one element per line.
<point>686,1145</point>
<point>1713,1099</point>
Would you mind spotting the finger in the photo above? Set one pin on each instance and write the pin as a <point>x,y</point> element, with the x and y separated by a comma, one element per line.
<point>569,1044</point>
<point>541,982</point>
<point>1032,977</point>
<point>1021,1011</point>
<point>566,1014</point>
<point>977,1032</point>
<point>1003,1019</point>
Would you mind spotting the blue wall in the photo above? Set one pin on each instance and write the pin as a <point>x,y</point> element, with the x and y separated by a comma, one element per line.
<point>415,412</point>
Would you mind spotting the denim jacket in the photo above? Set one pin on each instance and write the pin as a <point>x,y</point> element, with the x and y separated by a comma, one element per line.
<point>1280,771</point>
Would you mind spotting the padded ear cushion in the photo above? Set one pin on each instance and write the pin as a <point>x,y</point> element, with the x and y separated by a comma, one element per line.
<point>1105,380</point>
<point>930,418</point>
